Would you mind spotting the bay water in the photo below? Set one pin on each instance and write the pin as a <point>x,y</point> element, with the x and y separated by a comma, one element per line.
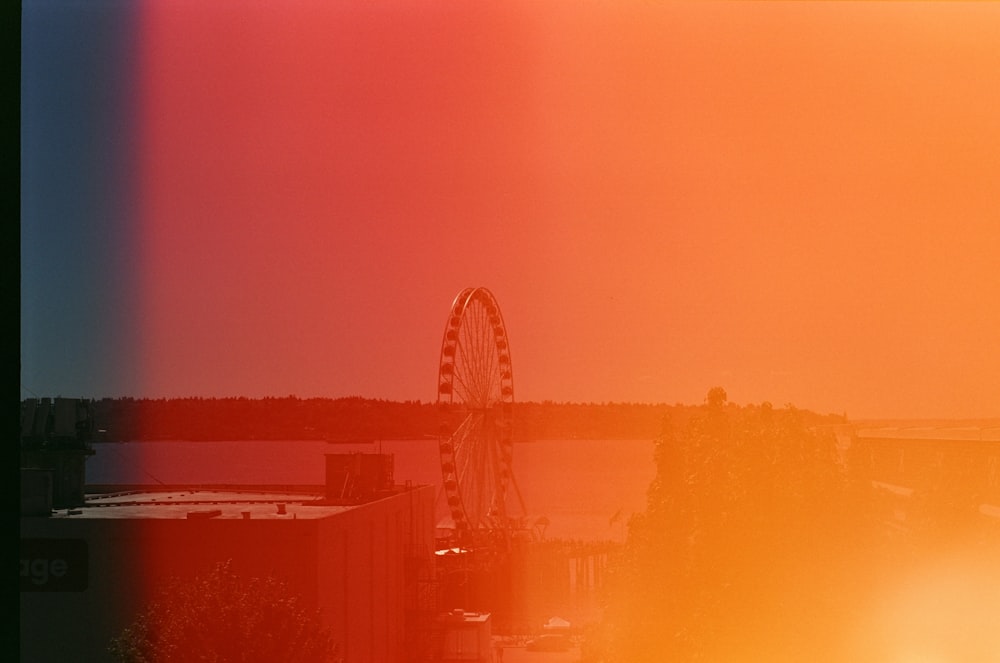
<point>587,489</point>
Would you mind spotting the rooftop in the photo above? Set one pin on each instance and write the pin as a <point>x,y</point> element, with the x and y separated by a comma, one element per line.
<point>217,504</point>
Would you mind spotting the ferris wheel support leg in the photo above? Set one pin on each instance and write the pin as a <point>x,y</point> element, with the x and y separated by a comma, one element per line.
<point>520,500</point>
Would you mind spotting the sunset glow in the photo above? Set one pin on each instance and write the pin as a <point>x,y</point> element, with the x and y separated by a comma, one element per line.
<point>794,200</point>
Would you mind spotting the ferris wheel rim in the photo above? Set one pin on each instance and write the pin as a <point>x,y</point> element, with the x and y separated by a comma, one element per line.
<point>476,457</point>
<point>458,309</point>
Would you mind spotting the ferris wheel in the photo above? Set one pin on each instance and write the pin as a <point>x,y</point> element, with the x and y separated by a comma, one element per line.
<point>476,389</point>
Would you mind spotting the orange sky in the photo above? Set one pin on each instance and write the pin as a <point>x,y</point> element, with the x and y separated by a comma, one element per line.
<point>796,201</point>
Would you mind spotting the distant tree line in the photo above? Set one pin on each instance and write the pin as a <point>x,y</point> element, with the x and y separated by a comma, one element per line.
<point>240,418</point>
<point>357,418</point>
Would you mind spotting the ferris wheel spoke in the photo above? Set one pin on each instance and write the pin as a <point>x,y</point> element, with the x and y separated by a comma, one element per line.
<point>463,437</point>
<point>486,357</point>
<point>471,489</point>
<point>483,355</point>
<point>475,363</point>
<point>475,467</point>
<point>474,379</point>
<point>466,390</point>
<point>468,451</point>
<point>468,375</point>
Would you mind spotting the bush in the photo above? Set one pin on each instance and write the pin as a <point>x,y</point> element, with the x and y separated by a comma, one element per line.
<point>221,617</point>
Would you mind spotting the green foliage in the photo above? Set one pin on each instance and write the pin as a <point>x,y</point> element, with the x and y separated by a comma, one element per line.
<point>221,617</point>
<point>744,552</point>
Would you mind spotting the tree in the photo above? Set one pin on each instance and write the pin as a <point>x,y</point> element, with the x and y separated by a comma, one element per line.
<point>743,553</point>
<point>221,617</point>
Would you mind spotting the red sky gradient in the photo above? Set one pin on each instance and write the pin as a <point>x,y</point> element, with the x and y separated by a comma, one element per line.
<point>796,201</point>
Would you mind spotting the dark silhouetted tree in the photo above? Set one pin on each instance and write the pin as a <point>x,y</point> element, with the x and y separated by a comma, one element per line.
<point>221,617</point>
<point>745,551</point>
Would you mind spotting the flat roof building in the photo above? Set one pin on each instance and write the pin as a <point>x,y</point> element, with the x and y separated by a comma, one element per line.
<point>88,572</point>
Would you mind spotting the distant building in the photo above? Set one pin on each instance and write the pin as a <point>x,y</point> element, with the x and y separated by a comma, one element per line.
<point>932,475</point>
<point>55,443</point>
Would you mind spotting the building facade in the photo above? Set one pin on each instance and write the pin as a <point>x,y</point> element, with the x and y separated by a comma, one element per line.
<point>88,572</point>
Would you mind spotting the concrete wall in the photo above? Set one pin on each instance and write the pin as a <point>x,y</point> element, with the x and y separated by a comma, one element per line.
<point>363,576</point>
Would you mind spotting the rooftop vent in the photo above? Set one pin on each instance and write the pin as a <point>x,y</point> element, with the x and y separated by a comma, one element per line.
<point>357,477</point>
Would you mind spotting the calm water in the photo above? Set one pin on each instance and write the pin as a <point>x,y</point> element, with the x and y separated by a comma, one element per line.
<point>578,484</point>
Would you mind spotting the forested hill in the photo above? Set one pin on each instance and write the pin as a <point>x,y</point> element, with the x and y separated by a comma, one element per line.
<point>356,418</point>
